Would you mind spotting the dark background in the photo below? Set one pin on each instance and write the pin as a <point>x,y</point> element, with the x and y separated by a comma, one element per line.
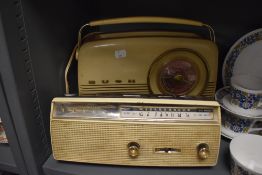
<point>40,35</point>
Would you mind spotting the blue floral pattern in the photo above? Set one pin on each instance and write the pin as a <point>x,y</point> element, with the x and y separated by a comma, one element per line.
<point>235,123</point>
<point>229,64</point>
<point>243,99</point>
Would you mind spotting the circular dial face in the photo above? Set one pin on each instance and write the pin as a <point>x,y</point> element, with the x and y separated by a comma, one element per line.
<point>178,77</point>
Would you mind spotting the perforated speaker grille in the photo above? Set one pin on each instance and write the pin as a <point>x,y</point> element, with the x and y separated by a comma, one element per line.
<point>106,142</point>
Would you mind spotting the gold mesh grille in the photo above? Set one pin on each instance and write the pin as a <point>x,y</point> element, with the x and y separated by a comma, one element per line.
<point>106,142</point>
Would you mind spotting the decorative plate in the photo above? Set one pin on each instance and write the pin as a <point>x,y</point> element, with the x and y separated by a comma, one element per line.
<point>228,133</point>
<point>240,111</point>
<point>244,57</point>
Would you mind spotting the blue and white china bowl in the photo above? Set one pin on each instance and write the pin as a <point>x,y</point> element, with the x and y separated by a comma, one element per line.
<point>246,91</point>
<point>246,155</point>
<point>244,57</point>
<point>234,123</point>
<point>243,99</point>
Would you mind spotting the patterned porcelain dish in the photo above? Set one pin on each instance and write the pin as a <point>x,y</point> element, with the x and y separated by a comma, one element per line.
<point>233,123</point>
<point>246,91</point>
<point>244,57</point>
<point>246,155</point>
<point>245,95</point>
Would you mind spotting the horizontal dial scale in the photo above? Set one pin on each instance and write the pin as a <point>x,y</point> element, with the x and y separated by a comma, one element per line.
<point>144,112</point>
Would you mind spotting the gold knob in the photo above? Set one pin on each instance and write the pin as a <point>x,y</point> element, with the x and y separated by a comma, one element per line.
<point>133,149</point>
<point>203,151</point>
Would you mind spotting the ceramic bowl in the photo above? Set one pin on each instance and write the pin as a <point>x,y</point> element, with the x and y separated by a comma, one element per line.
<point>246,155</point>
<point>246,91</point>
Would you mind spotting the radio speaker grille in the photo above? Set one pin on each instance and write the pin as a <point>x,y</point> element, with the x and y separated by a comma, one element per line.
<point>106,142</point>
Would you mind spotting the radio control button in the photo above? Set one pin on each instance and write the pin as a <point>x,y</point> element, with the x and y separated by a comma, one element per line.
<point>92,82</point>
<point>133,149</point>
<point>203,151</point>
<point>131,81</point>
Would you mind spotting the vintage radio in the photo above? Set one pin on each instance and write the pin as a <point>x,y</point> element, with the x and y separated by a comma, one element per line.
<point>148,62</point>
<point>135,131</point>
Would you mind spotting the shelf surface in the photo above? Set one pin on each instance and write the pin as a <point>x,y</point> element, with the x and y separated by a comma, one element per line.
<point>7,162</point>
<point>53,167</point>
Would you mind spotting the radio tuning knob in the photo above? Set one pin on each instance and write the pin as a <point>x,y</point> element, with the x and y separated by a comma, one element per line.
<point>133,149</point>
<point>203,151</point>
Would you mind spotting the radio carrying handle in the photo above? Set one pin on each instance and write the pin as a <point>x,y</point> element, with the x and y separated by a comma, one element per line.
<point>129,20</point>
<point>144,19</point>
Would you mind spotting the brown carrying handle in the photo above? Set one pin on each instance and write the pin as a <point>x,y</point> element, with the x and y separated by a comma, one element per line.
<point>128,20</point>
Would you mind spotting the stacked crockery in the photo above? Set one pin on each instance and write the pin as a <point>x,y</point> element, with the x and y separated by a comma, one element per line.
<point>241,105</point>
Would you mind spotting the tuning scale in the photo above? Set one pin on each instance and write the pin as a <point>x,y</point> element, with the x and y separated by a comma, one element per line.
<point>132,112</point>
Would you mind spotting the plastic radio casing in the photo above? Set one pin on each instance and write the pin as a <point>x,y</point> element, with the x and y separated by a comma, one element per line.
<point>92,130</point>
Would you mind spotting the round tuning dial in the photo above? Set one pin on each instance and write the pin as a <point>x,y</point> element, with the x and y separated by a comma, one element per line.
<point>133,149</point>
<point>203,151</point>
<point>178,72</point>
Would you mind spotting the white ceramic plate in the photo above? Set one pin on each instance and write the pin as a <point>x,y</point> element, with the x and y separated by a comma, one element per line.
<point>244,57</point>
<point>220,94</point>
<point>220,97</point>
<point>228,133</point>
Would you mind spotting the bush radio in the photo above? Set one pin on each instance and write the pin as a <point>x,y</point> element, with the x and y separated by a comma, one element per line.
<point>146,62</point>
<point>135,131</point>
